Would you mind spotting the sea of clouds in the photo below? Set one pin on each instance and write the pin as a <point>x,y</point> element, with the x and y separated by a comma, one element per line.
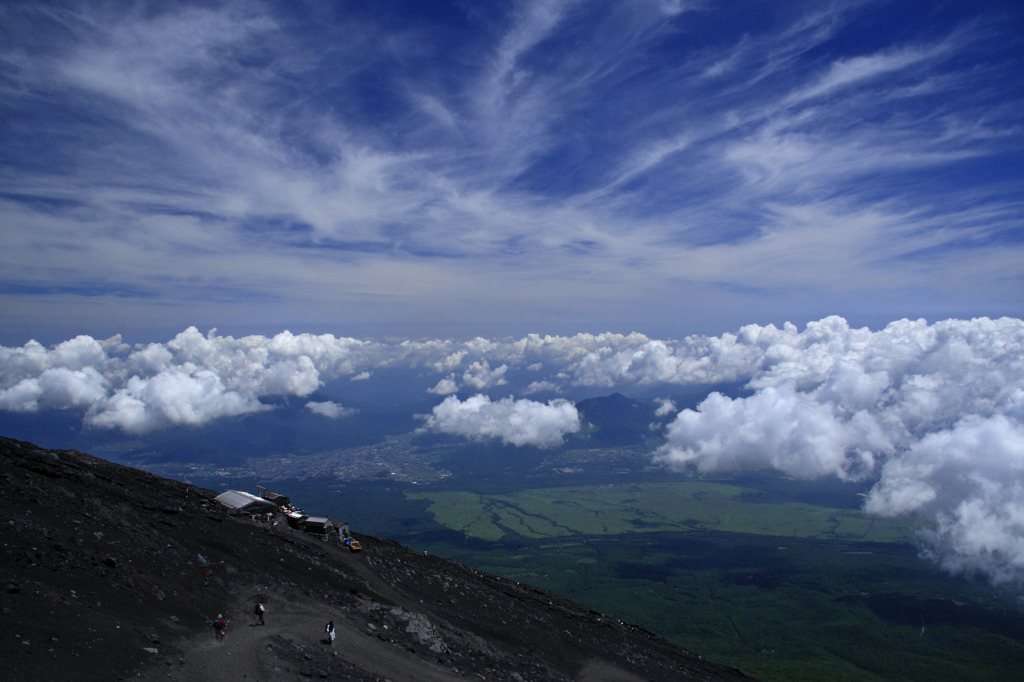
<point>933,414</point>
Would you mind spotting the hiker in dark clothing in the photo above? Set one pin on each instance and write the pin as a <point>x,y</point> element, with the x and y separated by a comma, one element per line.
<point>259,613</point>
<point>219,626</point>
<point>329,629</point>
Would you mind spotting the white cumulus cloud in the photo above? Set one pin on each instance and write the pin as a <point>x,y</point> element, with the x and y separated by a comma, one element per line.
<point>970,479</point>
<point>55,388</point>
<point>445,386</point>
<point>665,407</point>
<point>330,409</point>
<point>778,428</point>
<point>171,397</point>
<point>515,422</point>
<point>479,375</point>
<point>541,387</point>
<point>931,412</point>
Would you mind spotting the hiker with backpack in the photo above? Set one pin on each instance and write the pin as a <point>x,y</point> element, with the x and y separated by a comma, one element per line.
<point>329,629</point>
<point>259,613</point>
<point>219,626</point>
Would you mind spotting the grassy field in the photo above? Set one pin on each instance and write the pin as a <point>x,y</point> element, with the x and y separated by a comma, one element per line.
<point>785,579</point>
<point>784,589</point>
<point>650,508</point>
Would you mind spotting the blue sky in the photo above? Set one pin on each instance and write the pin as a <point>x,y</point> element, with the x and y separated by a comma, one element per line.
<point>208,210</point>
<point>449,170</point>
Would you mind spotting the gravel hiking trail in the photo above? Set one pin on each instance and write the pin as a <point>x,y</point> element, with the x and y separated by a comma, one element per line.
<point>292,645</point>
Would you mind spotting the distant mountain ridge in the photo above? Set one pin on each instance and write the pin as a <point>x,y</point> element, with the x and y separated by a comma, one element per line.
<point>110,572</point>
<point>617,421</point>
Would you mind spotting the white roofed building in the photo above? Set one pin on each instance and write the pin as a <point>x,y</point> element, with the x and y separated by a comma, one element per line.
<point>236,500</point>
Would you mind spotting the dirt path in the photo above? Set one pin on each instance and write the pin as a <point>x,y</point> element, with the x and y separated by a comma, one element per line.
<point>292,645</point>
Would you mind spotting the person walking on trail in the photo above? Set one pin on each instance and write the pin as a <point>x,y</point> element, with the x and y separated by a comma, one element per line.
<point>259,613</point>
<point>329,629</point>
<point>219,626</point>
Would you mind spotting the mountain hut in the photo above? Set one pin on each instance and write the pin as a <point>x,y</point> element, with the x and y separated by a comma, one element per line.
<point>318,524</point>
<point>239,501</point>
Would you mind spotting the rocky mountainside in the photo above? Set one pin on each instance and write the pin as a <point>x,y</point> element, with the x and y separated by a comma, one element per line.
<point>113,573</point>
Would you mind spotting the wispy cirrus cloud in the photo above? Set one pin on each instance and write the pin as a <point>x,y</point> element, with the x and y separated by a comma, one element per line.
<point>369,167</point>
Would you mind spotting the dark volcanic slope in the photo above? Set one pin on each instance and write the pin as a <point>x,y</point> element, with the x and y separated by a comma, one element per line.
<point>110,573</point>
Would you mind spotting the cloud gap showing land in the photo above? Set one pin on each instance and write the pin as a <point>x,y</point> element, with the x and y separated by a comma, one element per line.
<point>931,414</point>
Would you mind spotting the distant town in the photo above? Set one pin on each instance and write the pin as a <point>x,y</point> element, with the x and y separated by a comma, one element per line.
<point>396,459</point>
